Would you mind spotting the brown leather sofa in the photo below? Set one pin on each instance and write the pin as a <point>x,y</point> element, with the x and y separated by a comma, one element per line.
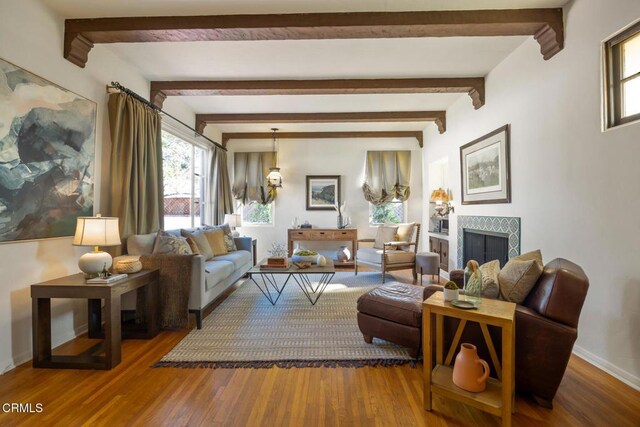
<point>546,328</point>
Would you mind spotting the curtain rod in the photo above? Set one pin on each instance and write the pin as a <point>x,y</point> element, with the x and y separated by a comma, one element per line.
<point>118,86</point>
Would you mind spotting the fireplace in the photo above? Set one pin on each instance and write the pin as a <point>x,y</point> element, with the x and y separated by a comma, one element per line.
<point>485,238</point>
<point>484,246</point>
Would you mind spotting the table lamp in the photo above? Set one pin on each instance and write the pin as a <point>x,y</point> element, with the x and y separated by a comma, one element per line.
<point>234,220</point>
<point>96,231</point>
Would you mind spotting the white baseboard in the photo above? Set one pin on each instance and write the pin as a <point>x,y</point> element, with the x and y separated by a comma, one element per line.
<point>609,368</point>
<point>25,356</point>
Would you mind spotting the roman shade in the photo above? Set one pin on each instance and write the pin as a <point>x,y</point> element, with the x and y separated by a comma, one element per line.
<point>250,172</point>
<point>387,176</point>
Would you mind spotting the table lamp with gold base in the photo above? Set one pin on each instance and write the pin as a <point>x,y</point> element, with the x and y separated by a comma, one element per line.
<point>96,231</point>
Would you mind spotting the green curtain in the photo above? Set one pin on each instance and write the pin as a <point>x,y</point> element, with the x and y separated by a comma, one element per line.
<point>387,177</point>
<point>220,198</point>
<point>250,172</point>
<point>137,193</point>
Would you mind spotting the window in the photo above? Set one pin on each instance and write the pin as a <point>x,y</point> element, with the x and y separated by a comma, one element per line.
<point>390,213</point>
<point>257,214</point>
<point>183,175</point>
<point>622,77</point>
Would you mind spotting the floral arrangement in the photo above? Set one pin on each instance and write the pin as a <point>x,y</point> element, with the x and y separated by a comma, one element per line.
<point>278,250</point>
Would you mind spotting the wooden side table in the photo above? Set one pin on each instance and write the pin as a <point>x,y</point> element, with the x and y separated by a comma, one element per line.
<point>74,286</point>
<point>498,398</point>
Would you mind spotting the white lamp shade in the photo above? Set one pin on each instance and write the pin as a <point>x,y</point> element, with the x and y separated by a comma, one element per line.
<point>234,220</point>
<point>97,231</point>
<point>275,178</point>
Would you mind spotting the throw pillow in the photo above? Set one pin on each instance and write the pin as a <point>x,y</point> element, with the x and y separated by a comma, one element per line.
<point>194,246</point>
<point>405,234</point>
<point>517,278</point>
<point>386,233</point>
<point>534,255</point>
<point>490,271</point>
<point>216,241</point>
<point>229,242</point>
<point>201,240</point>
<point>169,244</point>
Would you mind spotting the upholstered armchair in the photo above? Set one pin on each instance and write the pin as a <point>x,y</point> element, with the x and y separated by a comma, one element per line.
<point>394,254</point>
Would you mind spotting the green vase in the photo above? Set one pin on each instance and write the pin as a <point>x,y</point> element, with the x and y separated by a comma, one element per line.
<point>473,285</point>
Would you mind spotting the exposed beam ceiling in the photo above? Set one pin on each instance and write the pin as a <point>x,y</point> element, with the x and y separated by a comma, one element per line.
<point>546,25</point>
<point>226,137</point>
<point>439,117</point>
<point>474,86</point>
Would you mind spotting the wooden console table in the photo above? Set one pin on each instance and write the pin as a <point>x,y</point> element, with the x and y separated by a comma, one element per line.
<point>498,398</point>
<point>75,286</point>
<point>326,235</point>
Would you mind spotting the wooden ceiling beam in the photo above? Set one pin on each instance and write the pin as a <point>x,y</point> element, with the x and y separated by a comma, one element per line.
<point>473,86</point>
<point>546,25</point>
<point>226,137</point>
<point>438,117</point>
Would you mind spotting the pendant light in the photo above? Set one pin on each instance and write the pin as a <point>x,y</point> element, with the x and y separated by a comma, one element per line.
<point>275,178</point>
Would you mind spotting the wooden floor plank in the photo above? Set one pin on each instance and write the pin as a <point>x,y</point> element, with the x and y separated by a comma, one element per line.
<point>134,393</point>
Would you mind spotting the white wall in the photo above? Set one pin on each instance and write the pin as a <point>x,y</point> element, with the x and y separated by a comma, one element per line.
<point>344,157</point>
<point>576,188</point>
<point>31,37</point>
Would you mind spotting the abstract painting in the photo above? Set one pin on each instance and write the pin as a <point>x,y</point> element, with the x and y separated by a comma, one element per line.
<point>47,152</point>
<point>484,165</point>
<point>323,192</point>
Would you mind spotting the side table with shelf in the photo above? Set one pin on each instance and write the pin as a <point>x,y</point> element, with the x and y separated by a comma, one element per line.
<point>75,286</point>
<point>498,398</point>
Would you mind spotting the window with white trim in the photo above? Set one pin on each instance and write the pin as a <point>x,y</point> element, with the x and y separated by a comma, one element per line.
<point>393,212</point>
<point>256,214</point>
<point>183,168</point>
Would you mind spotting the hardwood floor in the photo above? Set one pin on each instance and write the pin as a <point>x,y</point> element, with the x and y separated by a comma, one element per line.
<point>133,393</point>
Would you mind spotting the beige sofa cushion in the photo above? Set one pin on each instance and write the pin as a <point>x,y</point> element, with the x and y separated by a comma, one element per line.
<point>386,233</point>
<point>517,278</point>
<point>216,241</point>
<point>405,234</point>
<point>141,244</point>
<point>204,248</point>
<point>490,281</point>
<point>534,255</point>
<point>374,256</point>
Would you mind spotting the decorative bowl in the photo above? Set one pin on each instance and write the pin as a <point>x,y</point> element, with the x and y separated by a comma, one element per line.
<point>301,258</point>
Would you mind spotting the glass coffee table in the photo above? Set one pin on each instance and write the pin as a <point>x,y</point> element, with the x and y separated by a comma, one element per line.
<point>268,285</point>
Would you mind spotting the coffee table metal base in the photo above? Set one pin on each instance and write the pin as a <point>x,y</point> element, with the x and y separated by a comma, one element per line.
<point>312,290</point>
<point>313,293</point>
<point>269,284</point>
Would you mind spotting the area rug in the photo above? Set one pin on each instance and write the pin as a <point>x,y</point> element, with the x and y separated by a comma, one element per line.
<point>246,331</point>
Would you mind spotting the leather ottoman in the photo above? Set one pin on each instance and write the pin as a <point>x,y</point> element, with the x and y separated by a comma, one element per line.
<point>393,313</point>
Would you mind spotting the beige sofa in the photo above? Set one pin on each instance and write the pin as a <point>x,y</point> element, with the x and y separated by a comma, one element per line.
<point>209,278</point>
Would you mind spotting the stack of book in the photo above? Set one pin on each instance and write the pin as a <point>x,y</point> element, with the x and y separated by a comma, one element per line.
<point>275,263</point>
<point>107,280</point>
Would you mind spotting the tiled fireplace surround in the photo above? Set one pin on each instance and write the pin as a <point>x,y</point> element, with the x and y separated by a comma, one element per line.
<point>510,226</point>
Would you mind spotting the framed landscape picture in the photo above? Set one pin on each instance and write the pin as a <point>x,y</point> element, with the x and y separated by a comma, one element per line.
<point>47,152</point>
<point>484,166</point>
<point>323,192</point>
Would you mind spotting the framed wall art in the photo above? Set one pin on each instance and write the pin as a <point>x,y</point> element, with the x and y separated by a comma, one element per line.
<point>323,192</point>
<point>485,169</point>
<point>47,154</point>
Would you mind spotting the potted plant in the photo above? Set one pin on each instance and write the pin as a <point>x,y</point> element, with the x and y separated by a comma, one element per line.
<point>450,291</point>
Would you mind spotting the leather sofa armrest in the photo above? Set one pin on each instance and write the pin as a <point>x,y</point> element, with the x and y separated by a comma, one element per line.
<point>243,243</point>
<point>543,349</point>
<point>457,276</point>
<point>430,290</point>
